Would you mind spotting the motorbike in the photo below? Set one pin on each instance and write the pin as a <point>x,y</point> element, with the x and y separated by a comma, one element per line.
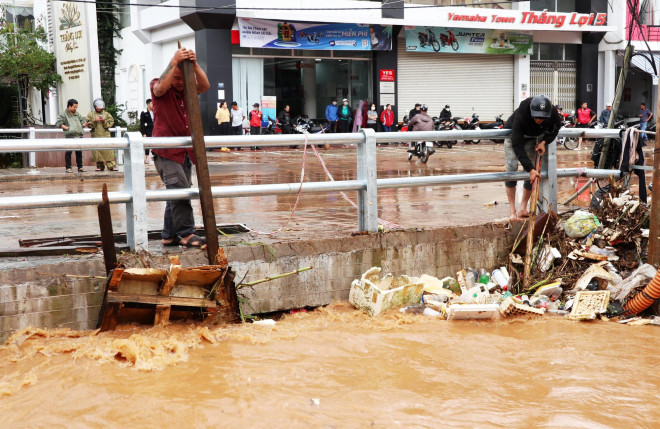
<point>449,40</point>
<point>471,124</point>
<point>450,125</point>
<point>429,39</point>
<point>614,153</point>
<point>423,150</point>
<point>497,125</point>
<point>272,127</point>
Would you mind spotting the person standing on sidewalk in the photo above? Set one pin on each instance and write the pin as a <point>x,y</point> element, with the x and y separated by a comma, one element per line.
<point>585,116</point>
<point>372,117</point>
<point>534,124</point>
<point>255,122</point>
<point>147,125</point>
<point>331,115</point>
<point>175,165</point>
<point>644,116</point>
<point>73,125</point>
<point>237,118</point>
<point>223,117</point>
<point>344,114</point>
<point>387,118</point>
<point>100,122</point>
<point>604,118</point>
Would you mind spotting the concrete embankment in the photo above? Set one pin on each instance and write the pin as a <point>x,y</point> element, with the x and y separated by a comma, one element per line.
<point>44,292</point>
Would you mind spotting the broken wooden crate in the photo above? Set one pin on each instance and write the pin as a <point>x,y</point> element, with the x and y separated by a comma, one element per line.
<point>206,288</point>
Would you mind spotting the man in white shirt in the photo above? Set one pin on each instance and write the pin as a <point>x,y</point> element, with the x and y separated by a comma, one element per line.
<point>237,118</point>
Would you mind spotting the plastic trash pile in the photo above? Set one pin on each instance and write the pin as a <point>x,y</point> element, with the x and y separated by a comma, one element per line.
<point>585,265</point>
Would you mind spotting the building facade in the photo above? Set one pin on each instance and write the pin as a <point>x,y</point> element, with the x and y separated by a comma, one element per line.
<point>305,52</point>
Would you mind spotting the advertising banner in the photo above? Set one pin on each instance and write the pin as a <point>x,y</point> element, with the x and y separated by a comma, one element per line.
<point>261,33</point>
<point>268,104</point>
<point>468,41</point>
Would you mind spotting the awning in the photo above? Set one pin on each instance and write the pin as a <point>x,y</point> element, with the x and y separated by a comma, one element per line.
<point>641,61</point>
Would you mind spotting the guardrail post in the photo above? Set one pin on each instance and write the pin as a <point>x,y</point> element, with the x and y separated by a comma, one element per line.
<point>32,159</point>
<point>135,184</point>
<point>549,183</point>
<point>366,170</point>
<point>120,153</point>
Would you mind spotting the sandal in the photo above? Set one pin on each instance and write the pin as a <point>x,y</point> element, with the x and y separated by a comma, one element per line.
<point>194,241</point>
<point>175,242</point>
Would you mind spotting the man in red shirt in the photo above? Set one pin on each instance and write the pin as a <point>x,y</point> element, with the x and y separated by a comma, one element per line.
<point>585,116</point>
<point>175,165</point>
<point>387,118</point>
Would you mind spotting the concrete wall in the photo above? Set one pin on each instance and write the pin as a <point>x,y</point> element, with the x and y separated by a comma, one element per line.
<point>38,295</point>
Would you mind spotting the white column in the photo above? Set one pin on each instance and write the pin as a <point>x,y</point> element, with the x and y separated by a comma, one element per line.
<point>309,87</point>
<point>609,77</point>
<point>520,79</point>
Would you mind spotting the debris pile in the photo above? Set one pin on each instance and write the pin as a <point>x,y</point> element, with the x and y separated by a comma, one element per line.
<point>584,265</point>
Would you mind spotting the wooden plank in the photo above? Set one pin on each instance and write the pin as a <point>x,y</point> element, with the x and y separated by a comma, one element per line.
<point>120,237</point>
<point>201,165</point>
<point>162,316</point>
<point>109,316</point>
<point>159,300</point>
<point>107,238</point>
<point>48,251</point>
<point>115,279</point>
<point>170,280</point>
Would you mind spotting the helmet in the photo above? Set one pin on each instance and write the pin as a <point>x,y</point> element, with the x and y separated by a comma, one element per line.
<point>424,108</point>
<point>541,107</point>
<point>447,106</point>
<point>99,104</point>
<point>558,106</point>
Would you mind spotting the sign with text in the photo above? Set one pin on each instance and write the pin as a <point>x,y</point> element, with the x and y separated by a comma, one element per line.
<point>386,75</point>
<point>72,54</point>
<point>268,106</point>
<point>468,41</point>
<point>261,33</point>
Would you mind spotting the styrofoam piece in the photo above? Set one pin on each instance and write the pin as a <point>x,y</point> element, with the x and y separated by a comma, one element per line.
<point>375,295</point>
<point>472,311</point>
<point>266,322</point>
<point>514,307</point>
<point>587,304</point>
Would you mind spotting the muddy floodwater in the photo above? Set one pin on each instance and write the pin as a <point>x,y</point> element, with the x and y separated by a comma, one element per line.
<point>335,367</point>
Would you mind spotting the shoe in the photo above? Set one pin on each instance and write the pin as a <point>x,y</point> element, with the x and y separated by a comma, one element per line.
<point>112,169</point>
<point>81,170</point>
<point>68,170</point>
<point>194,241</point>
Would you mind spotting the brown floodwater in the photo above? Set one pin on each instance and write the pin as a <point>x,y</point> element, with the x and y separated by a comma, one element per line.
<point>336,367</point>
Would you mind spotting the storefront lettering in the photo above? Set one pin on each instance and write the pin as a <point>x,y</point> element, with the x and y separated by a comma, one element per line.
<point>73,68</point>
<point>558,20</point>
<point>70,40</point>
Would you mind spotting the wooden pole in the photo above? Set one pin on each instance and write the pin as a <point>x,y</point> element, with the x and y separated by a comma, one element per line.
<point>654,233</point>
<point>617,101</point>
<point>107,237</point>
<point>530,229</point>
<point>202,167</point>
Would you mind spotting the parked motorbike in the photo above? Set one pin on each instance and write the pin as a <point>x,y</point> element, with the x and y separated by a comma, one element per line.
<point>569,143</point>
<point>449,40</point>
<point>497,125</point>
<point>614,153</point>
<point>446,126</point>
<point>429,39</point>
<point>272,127</point>
<point>423,150</point>
<point>471,124</point>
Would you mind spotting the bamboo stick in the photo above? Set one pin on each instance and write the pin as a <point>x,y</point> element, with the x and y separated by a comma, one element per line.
<point>530,230</point>
<point>267,279</point>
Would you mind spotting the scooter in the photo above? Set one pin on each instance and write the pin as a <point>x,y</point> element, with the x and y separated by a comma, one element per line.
<point>497,125</point>
<point>446,126</point>
<point>272,127</point>
<point>449,39</point>
<point>428,39</point>
<point>423,150</point>
<point>472,124</point>
<point>569,143</point>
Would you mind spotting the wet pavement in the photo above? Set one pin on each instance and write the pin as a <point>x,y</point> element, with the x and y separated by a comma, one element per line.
<point>317,215</point>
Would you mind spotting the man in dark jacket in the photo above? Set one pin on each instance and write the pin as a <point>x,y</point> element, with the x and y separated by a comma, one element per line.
<point>534,117</point>
<point>422,122</point>
<point>412,114</point>
<point>284,118</point>
<point>147,125</point>
<point>344,114</point>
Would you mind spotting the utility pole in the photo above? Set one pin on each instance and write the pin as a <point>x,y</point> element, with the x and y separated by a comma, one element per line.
<point>617,101</point>
<point>18,84</point>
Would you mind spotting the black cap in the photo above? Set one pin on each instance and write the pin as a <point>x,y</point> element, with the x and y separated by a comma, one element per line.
<point>255,105</point>
<point>417,104</point>
<point>541,107</point>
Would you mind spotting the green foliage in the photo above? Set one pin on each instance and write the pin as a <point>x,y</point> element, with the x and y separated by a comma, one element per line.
<point>24,62</point>
<point>108,28</point>
<point>116,110</point>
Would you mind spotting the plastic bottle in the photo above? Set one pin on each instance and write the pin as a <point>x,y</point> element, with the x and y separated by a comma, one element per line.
<point>484,279</point>
<point>470,280</point>
<point>431,312</point>
<point>499,278</point>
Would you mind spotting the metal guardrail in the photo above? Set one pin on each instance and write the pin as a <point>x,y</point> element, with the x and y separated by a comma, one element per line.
<point>135,195</point>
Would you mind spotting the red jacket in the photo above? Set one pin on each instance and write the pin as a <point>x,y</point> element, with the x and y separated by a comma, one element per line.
<point>387,118</point>
<point>255,118</point>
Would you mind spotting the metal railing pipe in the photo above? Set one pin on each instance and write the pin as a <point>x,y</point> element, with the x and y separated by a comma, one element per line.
<point>588,172</point>
<point>61,200</point>
<point>454,179</point>
<point>42,145</point>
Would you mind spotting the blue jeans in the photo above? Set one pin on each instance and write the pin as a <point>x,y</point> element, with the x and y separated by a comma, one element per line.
<point>387,129</point>
<point>642,127</point>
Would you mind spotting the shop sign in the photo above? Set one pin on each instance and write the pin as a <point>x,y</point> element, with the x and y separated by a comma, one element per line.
<point>387,87</point>
<point>386,75</point>
<point>261,33</point>
<point>557,20</point>
<point>268,105</point>
<point>386,99</point>
<point>468,41</point>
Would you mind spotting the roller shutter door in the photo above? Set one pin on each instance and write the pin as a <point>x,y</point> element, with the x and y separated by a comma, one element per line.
<point>463,81</point>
